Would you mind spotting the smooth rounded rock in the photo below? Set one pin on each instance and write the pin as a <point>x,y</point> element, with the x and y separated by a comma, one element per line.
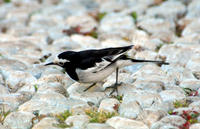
<point>46,123</point>
<point>108,105</point>
<point>98,126</point>
<point>172,95</point>
<point>78,121</point>
<point>20,120</point>
<point>195,126</point>
<point>124,123</point>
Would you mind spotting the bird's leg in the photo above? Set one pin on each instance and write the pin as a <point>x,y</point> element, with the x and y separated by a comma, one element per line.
<point>116,83</point>
<point>115,86</point>
<point>93,84</point>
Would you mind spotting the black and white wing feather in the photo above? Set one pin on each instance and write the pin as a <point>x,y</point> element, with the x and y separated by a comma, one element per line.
<point>98,59</point>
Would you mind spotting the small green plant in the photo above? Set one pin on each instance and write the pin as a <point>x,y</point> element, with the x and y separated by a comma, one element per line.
<point>63,116</point>
<point>178,104</point>
<point>7,1</point>
<point>190,117</point>
<point>158,47</point>
<point>119,98</point>
<point>190,92</point>
<point>99,117</point>
<point>61,119</point>
<point>36,87</point>
<point>134,15</point>
<point>100,16</point>
<point>171,112</point>
<point>63,125</point>
<point>3,114</point>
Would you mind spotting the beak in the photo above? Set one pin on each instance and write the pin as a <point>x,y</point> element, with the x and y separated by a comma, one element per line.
<point>51,63</point>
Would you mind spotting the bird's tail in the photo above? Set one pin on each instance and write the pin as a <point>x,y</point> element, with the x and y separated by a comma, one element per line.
<point>152,61</point>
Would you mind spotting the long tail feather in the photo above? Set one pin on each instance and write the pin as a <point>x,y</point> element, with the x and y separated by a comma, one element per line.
<point>152,61</point>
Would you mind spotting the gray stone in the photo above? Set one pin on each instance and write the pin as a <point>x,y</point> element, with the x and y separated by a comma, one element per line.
<point>115,22</point>
<point>144,98</point>
<point>52,87</point>
<point>76,92</point>
<point>56,78</point>
<point>193,64</point>
<point>195,126</point>
<point>4,90</point>
<point>85,42</point>
<point>160,125</point>
<point>16,65</point>
<point>172,95</point>
<point>175,9</point>
<point>19,120</point>
<point>195,105</point>
<point>125,123</point>
<point>149,85</point>
<point>49,103</point>
<point>17,79</point>
<point>193,27</point>
<point>78,121</point>
<point>46,123</point>
<point>111,6</point>
<point>173,120</point>
<point>190,83</point>
<point>156,25</point>
<point>151,116</point>
<point>87,23</point>
<point>12,101</point>
<point>130,109</point>
<point>65,43</point>
<point>98,126</point>
<point>3,127</point>
<point>107,105</point>
<point>193,10</point>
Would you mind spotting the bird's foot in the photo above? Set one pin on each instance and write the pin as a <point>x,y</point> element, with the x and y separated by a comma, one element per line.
<point>115,88</point>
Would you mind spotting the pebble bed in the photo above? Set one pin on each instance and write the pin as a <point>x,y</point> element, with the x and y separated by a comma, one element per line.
<point>33,32</point>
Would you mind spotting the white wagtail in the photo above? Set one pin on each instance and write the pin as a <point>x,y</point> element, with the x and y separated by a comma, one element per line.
<point>92,66</point>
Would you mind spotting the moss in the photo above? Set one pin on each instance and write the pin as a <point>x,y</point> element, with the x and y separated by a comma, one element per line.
<point>119,98</point>
<point>35,87</point>
<point>99,117</point>
<point>7,1</point>
<point>61,119</point>
<point>190,92</point>
<point>134,15</point>
<point>3,114</point>
<point>94,34</point>
<point>63,125</point>
<point>158,47</point>
<point>178,104</point>
<point>100,16</point>
<point>63,116</point>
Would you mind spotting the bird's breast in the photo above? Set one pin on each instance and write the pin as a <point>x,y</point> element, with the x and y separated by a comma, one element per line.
<point>90,75</point>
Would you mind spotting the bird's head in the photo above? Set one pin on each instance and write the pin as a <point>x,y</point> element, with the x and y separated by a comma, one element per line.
<point>63,58</point>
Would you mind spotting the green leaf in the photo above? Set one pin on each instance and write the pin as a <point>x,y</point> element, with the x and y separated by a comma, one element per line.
<point>7,1</point>
<point>100,16</point>
<point>134,15</point>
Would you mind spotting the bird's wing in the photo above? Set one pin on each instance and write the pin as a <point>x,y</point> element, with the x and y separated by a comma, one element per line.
<point>106,52</point>
<point>98,59</point>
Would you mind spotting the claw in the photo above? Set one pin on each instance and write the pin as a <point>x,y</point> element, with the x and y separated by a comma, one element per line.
<point>115,88</point>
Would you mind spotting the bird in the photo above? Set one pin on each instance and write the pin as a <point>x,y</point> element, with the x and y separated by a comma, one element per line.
<point>95,65</point>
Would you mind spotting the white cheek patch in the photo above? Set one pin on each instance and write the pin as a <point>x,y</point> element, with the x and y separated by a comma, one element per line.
<point>57,60</point>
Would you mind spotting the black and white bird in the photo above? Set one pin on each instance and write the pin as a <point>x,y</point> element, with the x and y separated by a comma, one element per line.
<point>94,65</point>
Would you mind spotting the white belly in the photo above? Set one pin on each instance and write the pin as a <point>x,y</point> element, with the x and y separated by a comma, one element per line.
<point>89,76</point>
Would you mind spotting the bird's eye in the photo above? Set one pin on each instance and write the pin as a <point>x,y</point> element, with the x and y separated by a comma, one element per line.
<point>61,63</point>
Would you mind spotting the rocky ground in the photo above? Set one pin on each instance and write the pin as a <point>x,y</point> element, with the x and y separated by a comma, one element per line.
<point>33,32</point>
